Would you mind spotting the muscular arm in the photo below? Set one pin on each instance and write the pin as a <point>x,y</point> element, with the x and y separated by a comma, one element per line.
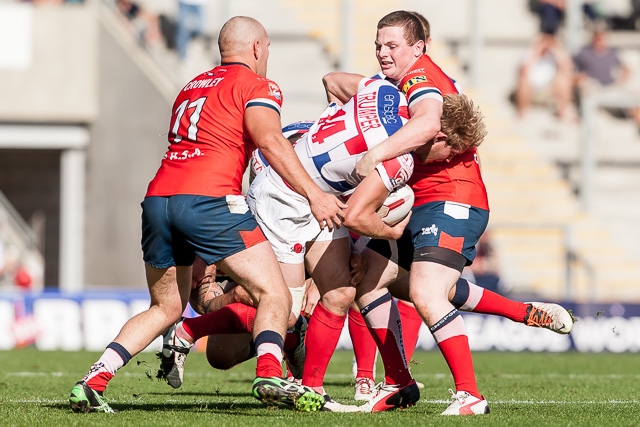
<point>263,124</point>
<point>361,215</point>
<point>340,87</point>
<point>423,126</point>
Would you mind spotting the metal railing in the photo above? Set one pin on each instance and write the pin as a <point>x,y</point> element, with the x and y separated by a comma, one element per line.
<point>16,233</point>
<point>589,107</point>
<point>10,218</point>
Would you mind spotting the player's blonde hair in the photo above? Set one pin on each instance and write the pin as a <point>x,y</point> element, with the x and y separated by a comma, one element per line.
<point>462,122</point>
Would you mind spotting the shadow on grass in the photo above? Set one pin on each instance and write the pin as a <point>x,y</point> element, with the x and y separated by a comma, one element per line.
<point>215,393</point>
<point>340,383</point>
<point>249,381</point>
<point>256,409</point>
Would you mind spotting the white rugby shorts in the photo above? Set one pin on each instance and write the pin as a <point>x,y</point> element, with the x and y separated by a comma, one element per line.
<point>286,220</point>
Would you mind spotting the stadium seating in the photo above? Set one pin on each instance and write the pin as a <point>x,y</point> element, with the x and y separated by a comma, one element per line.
<point>538,226</point>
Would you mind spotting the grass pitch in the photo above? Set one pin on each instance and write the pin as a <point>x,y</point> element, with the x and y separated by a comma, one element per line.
<point>523,389</point>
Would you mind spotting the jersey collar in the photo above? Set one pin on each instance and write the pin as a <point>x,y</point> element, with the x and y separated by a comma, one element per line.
<point>226,64</point>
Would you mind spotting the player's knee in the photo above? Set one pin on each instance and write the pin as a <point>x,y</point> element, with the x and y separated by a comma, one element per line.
<point>339,299</point>
<point>281,300</point>
<point>418,297</point>
<point>427,295</point>
<point>168,313</point>
<point>217,363</point>
<point>272,291</point>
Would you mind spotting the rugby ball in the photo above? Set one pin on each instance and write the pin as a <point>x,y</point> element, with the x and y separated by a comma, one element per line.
<point>397,205</point>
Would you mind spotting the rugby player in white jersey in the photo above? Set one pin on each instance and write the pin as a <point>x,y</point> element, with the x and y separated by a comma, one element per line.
<point>329,151</point>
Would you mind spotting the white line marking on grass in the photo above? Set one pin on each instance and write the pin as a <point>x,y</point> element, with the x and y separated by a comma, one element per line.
<point>66,374</point>
<point>571,376</point>
<point>439,376</point>
<point>35,401</point>
<point>334,376</point>
<point>548,402</point>
<point>35,374</point>
<point>436,401</point>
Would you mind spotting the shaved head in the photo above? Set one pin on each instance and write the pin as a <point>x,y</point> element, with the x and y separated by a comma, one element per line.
<point>238,35</point>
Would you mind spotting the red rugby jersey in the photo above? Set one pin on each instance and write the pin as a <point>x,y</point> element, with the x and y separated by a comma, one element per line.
<point>209,147</point>
<point>459,180</point>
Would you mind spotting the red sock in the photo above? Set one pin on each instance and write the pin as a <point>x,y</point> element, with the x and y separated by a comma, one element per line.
<point>384,323</point>
<point>268,365</point>
<point>471,297</point>
<point>492,303</point>
<point>452,339</point>
<point>100,381</point>
<point>105,368</point>
<point>364,347</point>
<point>231,319</point>
<point>269,354</point>
<point>411,324</point>
<point>321,340</point>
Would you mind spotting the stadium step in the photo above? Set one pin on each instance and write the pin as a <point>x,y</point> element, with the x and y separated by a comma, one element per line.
<point>536,218</point>
<point>539,229</point>
<point>325,21</point>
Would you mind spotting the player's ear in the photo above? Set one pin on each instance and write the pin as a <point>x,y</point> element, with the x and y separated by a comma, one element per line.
<point>257,49</point>
<point>441,136</point>
<point>427,45</point>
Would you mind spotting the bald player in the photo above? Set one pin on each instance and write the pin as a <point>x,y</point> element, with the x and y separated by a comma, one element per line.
<point>194,206</point>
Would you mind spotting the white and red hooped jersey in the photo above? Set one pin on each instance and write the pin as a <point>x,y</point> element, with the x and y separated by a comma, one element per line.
<point>209,147</point>
<point>343,134</point>
<point>258,163</point>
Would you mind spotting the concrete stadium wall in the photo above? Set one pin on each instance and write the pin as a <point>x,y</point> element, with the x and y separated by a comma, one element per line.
<point>77,72</point>
<point>48,70</point>
<point>127,143</point>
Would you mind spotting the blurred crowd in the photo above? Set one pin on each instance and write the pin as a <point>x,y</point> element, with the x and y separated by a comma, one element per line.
<point>551,75</point>
<point>51,1</point>
<point>174,32</point>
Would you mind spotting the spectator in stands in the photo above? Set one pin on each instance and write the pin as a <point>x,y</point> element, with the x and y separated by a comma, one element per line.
<point>52,1</point>
<point>22,278</point>
<point>599,68</point>
<point>621,16</point>
<point>129,9</point>
<point>144,23</point>
<point>551,13</point>
<point>190,24</point>
<point>545,75</point>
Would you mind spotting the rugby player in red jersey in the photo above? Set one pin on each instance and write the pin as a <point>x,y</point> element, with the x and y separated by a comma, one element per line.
<point>194,206</point>
<point>450,213</point>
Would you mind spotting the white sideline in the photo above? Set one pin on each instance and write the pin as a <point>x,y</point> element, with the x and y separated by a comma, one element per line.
<point>419,377</point>
<point>493,402</point>
<point>546,402</point>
